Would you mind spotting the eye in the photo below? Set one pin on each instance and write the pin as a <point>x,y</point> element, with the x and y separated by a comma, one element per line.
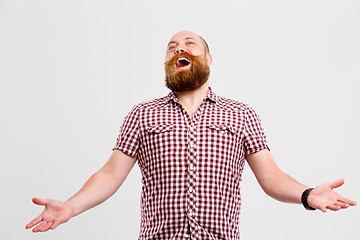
<point>190,43</point>
<point>171,48</point>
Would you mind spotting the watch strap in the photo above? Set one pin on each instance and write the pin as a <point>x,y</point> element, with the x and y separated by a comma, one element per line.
<point>304,198</point>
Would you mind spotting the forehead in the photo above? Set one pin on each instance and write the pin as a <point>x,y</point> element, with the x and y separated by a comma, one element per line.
<point>182,36</point>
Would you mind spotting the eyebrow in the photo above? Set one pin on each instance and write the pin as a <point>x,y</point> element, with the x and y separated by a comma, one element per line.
<point>187,38</point>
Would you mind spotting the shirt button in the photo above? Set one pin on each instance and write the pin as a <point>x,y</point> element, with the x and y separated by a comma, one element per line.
<point>192,168</point>
<point>191,214</point>
<point>192,145</point>
<point>191,189</point>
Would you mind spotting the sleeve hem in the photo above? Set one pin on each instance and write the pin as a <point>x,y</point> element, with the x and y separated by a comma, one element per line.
<point>125,150</point>
<point>257,149</point>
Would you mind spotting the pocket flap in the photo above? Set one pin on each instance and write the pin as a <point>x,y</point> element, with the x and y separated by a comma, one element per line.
<point>160,128</point>
<point>222,127</point>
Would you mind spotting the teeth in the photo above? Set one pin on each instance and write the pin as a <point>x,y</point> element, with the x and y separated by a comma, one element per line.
<point>182,58</point>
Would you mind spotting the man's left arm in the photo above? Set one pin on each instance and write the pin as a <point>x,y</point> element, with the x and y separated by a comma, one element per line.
<point>282,187</point>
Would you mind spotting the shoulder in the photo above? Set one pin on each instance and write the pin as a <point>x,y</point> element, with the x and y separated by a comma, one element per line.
<point>151,104</point>
<point>233,105</point>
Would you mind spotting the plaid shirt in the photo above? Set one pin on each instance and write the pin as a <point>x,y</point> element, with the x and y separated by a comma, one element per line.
<point>191,167</point>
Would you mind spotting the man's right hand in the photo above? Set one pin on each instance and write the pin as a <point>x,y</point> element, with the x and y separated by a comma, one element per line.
<point>55,213</point>
<point>100,186</point>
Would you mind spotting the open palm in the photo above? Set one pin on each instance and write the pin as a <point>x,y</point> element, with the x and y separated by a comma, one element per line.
<point>324,197</point>
<point>55,213</point>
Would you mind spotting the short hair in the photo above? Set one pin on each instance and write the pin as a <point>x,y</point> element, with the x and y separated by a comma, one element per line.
<point>206,46</point>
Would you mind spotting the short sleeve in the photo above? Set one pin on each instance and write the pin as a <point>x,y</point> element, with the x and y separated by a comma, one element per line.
<point>128,139</point>
<point>255,139</point>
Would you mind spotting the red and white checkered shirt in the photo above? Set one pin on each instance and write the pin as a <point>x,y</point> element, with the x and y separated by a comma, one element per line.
<point>191,167</point>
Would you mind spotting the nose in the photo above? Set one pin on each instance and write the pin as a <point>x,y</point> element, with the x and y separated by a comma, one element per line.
<point>179,49</point>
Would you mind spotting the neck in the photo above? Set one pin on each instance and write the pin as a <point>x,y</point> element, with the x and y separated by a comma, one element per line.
<point>194,97</point>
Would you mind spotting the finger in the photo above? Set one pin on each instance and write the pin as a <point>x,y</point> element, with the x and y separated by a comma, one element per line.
<point>334,207</point>
<point>341,204</point>
<point>323,209</point>
<point>34,222</point>
<point>39,227</point>
<point>337,183</point>
<point>39,201</point>
<point>46,227</point>
<point>345,200</point>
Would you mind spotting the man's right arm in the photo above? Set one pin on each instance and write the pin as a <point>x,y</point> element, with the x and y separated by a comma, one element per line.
<point>100,186</point>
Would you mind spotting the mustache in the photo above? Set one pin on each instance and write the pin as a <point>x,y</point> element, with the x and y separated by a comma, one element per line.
<point>187,55</point>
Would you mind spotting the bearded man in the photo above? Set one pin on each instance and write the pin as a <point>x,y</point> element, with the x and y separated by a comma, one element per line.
<point>191,147</point>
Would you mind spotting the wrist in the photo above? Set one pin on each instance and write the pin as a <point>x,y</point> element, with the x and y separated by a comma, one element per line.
<point>71,206</point>
<point>304,199</point>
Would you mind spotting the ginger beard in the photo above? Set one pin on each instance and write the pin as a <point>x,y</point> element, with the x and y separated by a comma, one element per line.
<point>180,80</point>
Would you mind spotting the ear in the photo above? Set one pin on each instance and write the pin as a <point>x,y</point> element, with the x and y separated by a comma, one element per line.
<point>209,59</point>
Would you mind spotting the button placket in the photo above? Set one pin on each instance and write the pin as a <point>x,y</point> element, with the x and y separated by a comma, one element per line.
<point>192,170</point>
<point>191,155</point>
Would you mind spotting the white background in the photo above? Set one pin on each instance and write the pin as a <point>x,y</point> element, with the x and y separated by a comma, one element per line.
<point>71,70</point>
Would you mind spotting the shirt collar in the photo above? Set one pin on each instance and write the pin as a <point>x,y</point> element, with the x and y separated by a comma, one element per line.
<point>211,96</point>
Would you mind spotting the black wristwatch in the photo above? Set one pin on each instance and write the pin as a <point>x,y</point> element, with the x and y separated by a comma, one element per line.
<point>304,198</point>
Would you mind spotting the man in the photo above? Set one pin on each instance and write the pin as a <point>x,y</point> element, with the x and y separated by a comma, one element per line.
<point>191,148</point>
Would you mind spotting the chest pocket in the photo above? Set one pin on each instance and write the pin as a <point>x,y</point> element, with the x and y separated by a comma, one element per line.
<point>222,129</point>
<point>224,141</point>
<point>159,141</point>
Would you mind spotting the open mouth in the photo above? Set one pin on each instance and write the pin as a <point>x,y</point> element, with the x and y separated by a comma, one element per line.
<point>182,62</point>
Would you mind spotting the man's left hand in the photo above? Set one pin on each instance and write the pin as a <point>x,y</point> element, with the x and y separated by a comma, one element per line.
<point>324,197</point>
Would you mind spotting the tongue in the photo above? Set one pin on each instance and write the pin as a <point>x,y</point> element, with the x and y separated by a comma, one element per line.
<point>183,63</point>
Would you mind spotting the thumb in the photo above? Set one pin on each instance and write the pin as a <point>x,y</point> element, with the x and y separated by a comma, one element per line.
<point>337,183</point>
<point>39,201</point>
